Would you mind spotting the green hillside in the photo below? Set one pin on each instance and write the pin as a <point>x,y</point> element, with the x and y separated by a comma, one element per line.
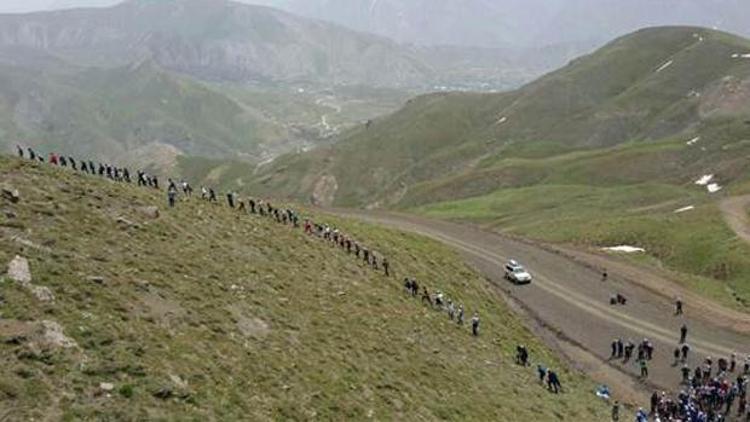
<point>205,314</point>
<point>109,113</point>
<point>600,153</point>
<point>615,96</point>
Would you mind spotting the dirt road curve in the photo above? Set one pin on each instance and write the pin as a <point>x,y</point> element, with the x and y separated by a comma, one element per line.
<point>570,307</point>
<point>735,214</point>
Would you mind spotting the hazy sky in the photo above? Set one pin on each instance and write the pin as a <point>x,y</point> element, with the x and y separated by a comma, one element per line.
<point>19,6</point>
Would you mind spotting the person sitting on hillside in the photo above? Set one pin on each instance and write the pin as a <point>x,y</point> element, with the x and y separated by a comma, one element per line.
<point>618,299</point>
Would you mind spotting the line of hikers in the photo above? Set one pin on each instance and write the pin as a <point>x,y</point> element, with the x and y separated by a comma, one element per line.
<point>288,216</point>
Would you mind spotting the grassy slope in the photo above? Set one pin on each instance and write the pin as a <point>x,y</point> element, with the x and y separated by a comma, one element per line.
<point>341,341</point>
<point>109,112</point>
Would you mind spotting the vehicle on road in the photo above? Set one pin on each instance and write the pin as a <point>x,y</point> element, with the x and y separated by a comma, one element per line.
<point>516,273</point>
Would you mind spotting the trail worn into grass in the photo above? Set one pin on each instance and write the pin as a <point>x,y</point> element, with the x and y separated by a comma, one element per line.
<point>569,298</point>
<point>735,210</point>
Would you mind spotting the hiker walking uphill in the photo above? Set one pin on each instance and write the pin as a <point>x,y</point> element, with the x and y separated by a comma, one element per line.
<point>616,411</point>
<point>287,216</point>
<point>475,325</point>
<point>553,382</point>
<point>171,197</point>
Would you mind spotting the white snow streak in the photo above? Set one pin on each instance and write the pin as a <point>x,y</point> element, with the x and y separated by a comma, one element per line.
<point>624,249</point>
<point>704,180</point>
<point>684,209</point>
<point>664,66</point>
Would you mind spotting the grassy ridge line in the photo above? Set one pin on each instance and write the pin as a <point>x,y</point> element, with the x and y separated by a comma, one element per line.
<point>245,319</point>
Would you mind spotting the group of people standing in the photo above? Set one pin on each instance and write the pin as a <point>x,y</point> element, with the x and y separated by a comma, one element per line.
<point>708,393</point>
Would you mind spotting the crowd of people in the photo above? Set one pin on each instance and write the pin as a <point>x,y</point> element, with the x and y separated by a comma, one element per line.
<point>714,391</point>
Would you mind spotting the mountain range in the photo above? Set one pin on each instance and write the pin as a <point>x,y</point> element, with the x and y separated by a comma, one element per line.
<point>275,82</point>
<point>660,84</point>
<point>216,40</point>
<point>518,23</point>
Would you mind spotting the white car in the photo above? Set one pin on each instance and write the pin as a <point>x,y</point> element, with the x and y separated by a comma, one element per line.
<point>516,273</point>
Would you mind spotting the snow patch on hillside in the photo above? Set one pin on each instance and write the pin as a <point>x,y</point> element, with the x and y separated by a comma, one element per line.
<point>713,188</point>
<point>664,66</point>
<point>624,249</point>
<point>684,209</point>
<point>704,180</point>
